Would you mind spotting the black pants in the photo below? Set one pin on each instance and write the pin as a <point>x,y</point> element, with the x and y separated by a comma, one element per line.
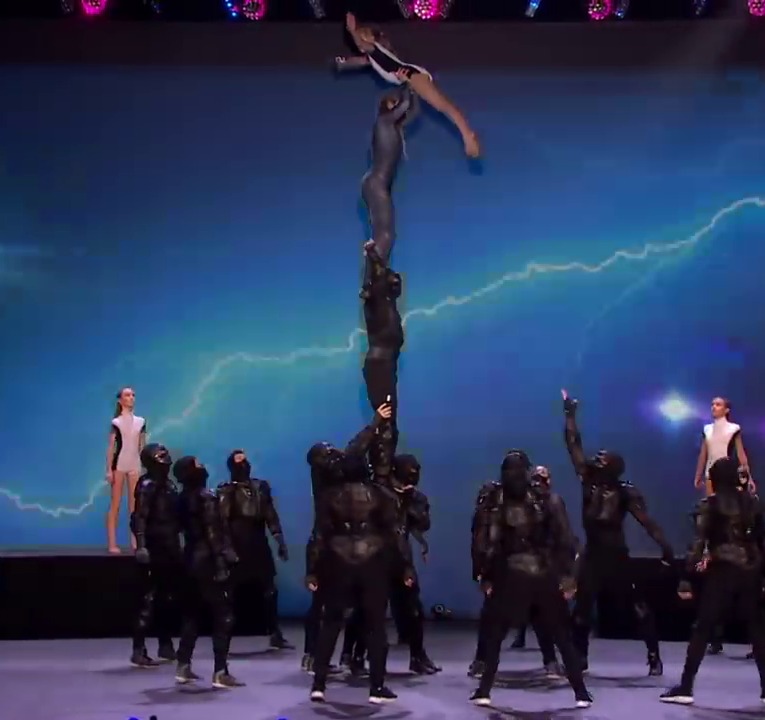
<point>243,580</point>
<point>217,597</point>
<point>160,584</point>
<point>354,641</point>
<point>409,615</point>
<point>609,570</point>
<point>381,377</point>
<point>725,584</point>
<point>544,636</point>
<point>510,605</point>
<point>375,191</point>
<point>342,584</point>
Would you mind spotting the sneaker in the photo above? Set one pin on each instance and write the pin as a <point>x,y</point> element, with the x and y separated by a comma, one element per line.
<point>166,653</point>
<point>381,695</point>
<point>140,659</point>
<point>476,669</point>
<point>306,664</point>
<point>317,693</point>
<point>184,675</point>
<point>655,665</point>
<point>583,699</point>
<point>224,680</point>
<point>715,648</point>
<point>423,665</point>
<point>277,641</point>
<point>480,698</point>
<point>678,695</point>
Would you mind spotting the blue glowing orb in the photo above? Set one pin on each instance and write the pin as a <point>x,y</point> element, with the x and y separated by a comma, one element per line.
<point>675,409</point>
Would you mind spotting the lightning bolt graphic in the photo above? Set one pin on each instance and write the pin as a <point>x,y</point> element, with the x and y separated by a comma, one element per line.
<point>531,270</point>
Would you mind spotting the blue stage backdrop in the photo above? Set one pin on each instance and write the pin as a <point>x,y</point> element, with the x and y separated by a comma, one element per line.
<point>197,234</point>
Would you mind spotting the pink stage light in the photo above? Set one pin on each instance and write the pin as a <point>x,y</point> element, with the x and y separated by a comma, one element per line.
<point>600,9</point>
<point>254,9</point>
<point>427,9</point>
<point>757,8</point>
<point>93,7</point>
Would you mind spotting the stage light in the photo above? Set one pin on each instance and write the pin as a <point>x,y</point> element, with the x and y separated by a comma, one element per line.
<point>318,9</point>
<point>622,8</point>
<point>757,8</point>
<point>699,6</point>
<point>67,7</point>
<point>600,9</point>
<point>231,9</point>
<point>675,409</point>
<point>93,7</point>
<point>254,9</point>
<point>427,9</point>
<point>532,8</point>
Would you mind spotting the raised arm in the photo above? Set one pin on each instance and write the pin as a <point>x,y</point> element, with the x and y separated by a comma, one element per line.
<point>572,435</point>
<point>406,104</point>
<point>701,464</point>
<point>359,445</point>
<point>637,507</point>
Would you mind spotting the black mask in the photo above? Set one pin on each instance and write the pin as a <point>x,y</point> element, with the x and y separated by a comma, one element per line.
<point>606,467</point>
<point>189,474</point>
<point>406,470</point>
<point>394,284</point>
<point>515,474</point>
<point>239,471</point>
<point>157,461</point>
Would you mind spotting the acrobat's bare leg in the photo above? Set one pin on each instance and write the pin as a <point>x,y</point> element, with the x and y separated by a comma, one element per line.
<point>424,86</point>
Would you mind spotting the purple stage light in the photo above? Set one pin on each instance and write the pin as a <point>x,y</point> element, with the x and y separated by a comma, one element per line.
<point>93,7</point>
<point>427,9</point>
<point>757,8</point>
<point>600,9</point>
<point>254,9</point>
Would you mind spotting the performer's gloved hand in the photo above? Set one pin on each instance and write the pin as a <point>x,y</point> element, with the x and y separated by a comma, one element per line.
<point>230,556</point>
<point>684,590</point>
<point>569,404</point>
<point>283,553</point>
<point>409,577</point>
<point>667,556</point>
<point>383,413</point>
<point>568,587</point>
<point>312,583</point>
<point>487,588</point>
<point>142,556</point>
<point>221,571</point>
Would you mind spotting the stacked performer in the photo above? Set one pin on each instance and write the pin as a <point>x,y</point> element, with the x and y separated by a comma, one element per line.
<point>248,510</point>
<point>349,558</point>
<point>156,528</point>
<point>526,561</point>
<point>729,544</point>
<point>605,561</point>
<point>385,333</point>
<point>377,53</point>
<point>208,558</point>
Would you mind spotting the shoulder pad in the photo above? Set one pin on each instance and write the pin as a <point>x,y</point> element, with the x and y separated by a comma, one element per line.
<point>224,485</point>
<point>263,484</point>
<point>145,483</point>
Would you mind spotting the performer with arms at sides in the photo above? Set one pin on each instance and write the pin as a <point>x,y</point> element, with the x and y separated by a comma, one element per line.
<point>127,437</point>
<point>720,438</point>
<point>728,546</point>
<point>377,53</point>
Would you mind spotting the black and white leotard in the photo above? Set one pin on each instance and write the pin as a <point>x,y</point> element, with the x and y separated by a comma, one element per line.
<point>127,430</point>
<point>386,65</point>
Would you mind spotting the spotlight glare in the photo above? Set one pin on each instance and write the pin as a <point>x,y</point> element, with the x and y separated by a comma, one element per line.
<point>757,8</point>
<point>532,8</point>
<point>675,409</point>
<point>93,7</point>
<point>426,9</point>
<point>254,9</point>
<point>600,9</point>
<point>622,8</point>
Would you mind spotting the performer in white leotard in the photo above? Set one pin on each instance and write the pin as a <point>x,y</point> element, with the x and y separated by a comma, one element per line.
<point>721,438</point>
<point>378,54</point>
<point>127,437</point>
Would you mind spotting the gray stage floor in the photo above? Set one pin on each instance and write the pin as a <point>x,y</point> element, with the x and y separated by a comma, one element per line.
<point>91,680</point>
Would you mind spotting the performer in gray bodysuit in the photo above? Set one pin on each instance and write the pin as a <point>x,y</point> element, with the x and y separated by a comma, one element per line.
<point>397,108</point>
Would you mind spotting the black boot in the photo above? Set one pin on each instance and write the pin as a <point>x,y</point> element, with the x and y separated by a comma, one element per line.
<point>655,665</point>
<point>277,641</point>
<point>140,659</point>
<point>679,695</point>
<point>476,669</point>
<point>423,665</point>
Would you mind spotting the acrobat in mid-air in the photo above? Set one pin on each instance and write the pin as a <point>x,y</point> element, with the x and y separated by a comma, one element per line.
<point>377,53</point>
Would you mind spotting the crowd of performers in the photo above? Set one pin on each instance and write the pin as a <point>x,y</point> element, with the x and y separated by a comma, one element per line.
<point>367,506</point>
